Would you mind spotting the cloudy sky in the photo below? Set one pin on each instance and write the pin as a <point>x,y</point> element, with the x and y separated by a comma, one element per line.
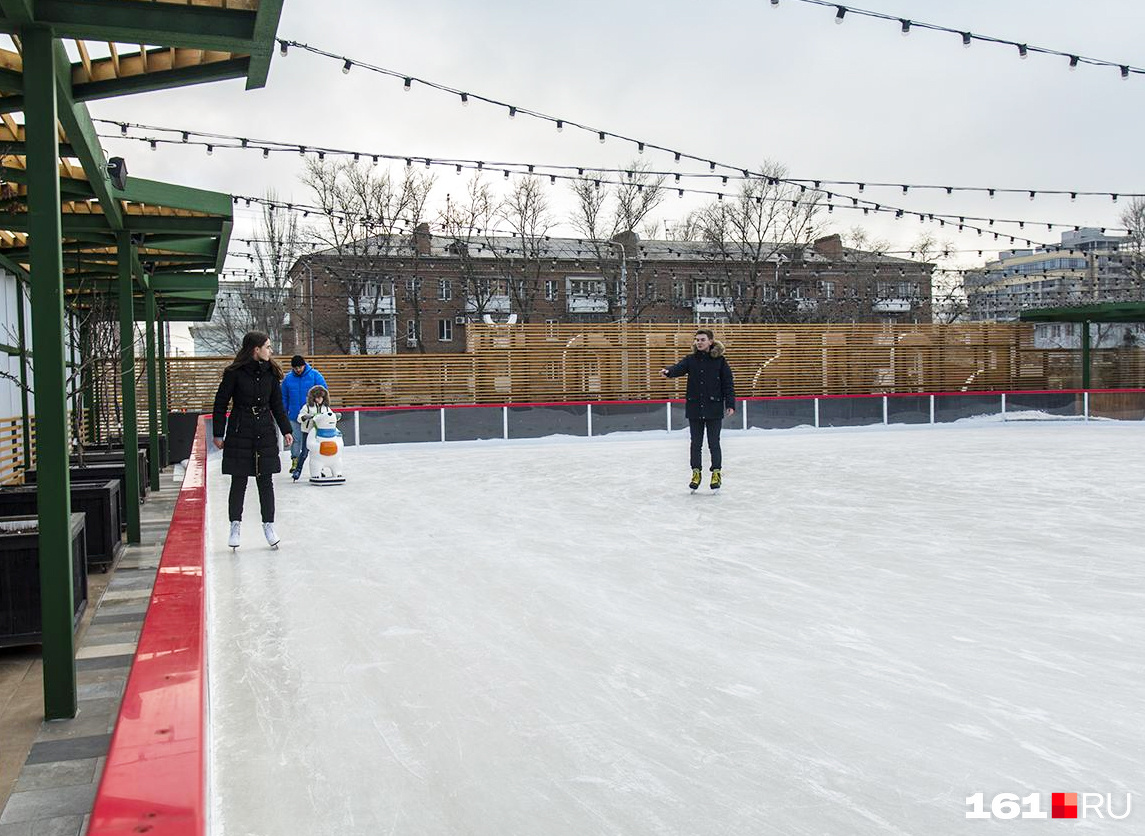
<point>737,82</point>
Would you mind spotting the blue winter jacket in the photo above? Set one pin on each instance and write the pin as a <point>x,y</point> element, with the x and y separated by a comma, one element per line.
<point>295,387</point>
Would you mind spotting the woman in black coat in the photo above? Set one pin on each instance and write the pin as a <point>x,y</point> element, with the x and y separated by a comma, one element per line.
<point>710,398</point>
<point>252,385</point>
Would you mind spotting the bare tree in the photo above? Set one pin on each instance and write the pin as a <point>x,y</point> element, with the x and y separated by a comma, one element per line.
<point>259,303</point>
<point>467,224</point>
<point>752,239</point>
<point>1133,253</point>
<point>608,215</point>
<point>365,213</point>
<point>526,213</point>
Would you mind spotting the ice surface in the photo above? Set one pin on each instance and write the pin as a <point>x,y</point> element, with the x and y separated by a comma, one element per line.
<point>555,637</point>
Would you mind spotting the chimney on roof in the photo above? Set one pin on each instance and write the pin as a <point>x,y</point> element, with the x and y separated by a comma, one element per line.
<point>830,246</point>
<point>421,239</point>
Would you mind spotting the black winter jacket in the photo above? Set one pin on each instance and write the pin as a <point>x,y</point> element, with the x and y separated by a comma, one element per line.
<point>711,388</point>
<point>250,446</point>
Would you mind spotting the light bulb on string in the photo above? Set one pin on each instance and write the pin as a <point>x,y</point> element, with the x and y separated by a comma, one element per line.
<point>966,39</point>
<point>840,13</point>
<point>282,48</point>
<point>1023,52</point>
<point>154,145</point>
<point>1073,62</point>
<point>600,136</point>
<point>905,27</point>
<point>560,125</point>
<point>210,150</point>
<point>346,67</point>
<point>407,84</point>
<point>266,153</point>
<point>512,112</point>
<point>464,99</point>
<point>1124,72</point>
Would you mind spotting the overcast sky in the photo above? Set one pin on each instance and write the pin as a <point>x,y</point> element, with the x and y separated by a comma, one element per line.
<point>738,82</point>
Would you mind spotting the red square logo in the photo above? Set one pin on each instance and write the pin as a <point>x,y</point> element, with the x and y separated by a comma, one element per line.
<point>1063,805</point>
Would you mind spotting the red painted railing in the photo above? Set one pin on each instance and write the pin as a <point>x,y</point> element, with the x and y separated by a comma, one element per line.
<point>155,780</point>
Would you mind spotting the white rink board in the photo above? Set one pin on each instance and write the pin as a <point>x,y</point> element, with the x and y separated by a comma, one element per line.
<point>555,637</point>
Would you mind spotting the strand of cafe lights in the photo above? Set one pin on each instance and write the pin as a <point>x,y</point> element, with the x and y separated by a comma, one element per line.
<point>221,141</point>
<point>267,146</point>
<point>906,26</point>
<point>513,110</point>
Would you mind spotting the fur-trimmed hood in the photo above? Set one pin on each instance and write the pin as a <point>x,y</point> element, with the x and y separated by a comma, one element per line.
<point>314,392</point>
<point>717,349</point>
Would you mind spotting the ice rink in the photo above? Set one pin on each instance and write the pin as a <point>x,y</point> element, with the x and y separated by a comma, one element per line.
<point>545,637</point>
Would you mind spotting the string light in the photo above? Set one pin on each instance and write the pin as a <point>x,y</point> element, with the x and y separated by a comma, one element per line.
<point>968,37</point>
<point>282,47</point>
<point>346,67</point>
<point>772,181</point>
<point>407,85</point>
<point>465,99</point>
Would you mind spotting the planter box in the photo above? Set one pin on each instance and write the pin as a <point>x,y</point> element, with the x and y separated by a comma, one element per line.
<point>20,617</point>
<point>98,501</point>
<point>101,456</point>
<point>100,472</point>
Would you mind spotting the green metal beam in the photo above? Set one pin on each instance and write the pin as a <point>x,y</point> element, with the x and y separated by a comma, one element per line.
<point>156,24</point>
<point>127,382</point>
<point>11,81</point>
<point>18,11</point>
<point>162,80</point>
<point>53,483</point>
<point>262,49</point>
<point>140,190</point>
<point>75,225</point>
<point>82,134</point>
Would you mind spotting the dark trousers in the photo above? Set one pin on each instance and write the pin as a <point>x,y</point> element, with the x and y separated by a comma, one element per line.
<point>713,426</point>
<point>265,496</point>
<point>302,454</point>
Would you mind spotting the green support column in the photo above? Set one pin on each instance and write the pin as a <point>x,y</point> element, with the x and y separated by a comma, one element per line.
<point>163,408</point>
<point>1085,354</point>
<point>47,277</point>
<point>27,412</point>
<point>127,382</point>
<point>152,389</point>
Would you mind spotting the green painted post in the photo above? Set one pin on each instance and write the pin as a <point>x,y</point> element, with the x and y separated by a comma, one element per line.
<point>1085,354</point>
<point>47,276</point>
<point>127,382</point>
<point>152,389</point>
<point>163,408</point>
<point>27,412</point>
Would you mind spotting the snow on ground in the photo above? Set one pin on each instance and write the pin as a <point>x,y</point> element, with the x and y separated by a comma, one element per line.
<point>555,637</point>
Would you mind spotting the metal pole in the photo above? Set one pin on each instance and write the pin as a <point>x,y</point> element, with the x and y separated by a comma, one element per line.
<point>127,384</point>
<point>1085,354</point>
<point>152,390</point>
<point>53,492</point>
<point>163,403</point>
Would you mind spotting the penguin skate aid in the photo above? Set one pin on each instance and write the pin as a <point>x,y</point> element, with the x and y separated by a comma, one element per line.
<point>323,439</point>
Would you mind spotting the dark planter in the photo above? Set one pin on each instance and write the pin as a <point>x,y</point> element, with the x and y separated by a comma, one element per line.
<point>20,617</point>
<point>97,473</point>
<point>101,456</point>
<point>99,502</point>
<point>164,452</point>
<point>181,428</point>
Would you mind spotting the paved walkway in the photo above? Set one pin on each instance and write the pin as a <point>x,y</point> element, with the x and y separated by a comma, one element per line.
<point>49,772</point>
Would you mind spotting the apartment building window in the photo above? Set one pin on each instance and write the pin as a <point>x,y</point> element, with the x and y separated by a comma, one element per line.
<point>586,287</point>
<point>377,326</point>
<point>413,286</point>
<point>827,289</point>
<point>445,330</point>
<point>445,290</point>
<point>550,290</point>
<point>678,291</point>
<point>411,332</point>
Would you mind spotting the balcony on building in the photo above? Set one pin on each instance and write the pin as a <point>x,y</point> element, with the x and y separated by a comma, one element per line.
<point>713,304</point>
<point>492,305</point>
<point>371,304</point>
<point>374,345</point>
<point>587,304</point>
<point>891,306</point>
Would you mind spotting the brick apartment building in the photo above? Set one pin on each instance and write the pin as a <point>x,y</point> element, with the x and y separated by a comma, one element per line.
<point>418,293</point>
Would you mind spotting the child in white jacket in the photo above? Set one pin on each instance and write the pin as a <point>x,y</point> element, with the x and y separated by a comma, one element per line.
<point>317,401</point>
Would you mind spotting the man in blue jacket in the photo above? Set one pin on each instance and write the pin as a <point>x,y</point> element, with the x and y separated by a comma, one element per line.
<point>294,388</point>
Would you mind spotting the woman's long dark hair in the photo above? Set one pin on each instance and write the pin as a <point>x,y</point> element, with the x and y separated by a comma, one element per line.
<point>251,341</point>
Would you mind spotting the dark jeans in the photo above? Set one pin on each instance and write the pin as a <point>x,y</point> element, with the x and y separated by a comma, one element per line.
<point>303,453</point>
<point>713,426</point>
<point>265,496</point>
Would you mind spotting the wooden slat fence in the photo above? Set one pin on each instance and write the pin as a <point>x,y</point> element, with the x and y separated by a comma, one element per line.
<point>554,363</point>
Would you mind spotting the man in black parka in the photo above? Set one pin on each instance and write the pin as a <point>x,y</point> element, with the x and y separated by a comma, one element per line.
<point>710,398</point>
<point>252,384</point>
